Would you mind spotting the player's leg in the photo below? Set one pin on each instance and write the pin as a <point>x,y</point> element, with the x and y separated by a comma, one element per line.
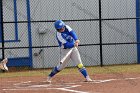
<point>77,59</point>
<point>65,57</point>
<point>83,70</point>
<point>3,64</point>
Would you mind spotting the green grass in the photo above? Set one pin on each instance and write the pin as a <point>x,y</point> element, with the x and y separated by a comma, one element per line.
<point>24,73</point>
<point>135,68</point>
<point>117,69</point>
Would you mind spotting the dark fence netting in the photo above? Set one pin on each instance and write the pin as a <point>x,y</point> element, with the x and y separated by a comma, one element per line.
<point>107,30</point>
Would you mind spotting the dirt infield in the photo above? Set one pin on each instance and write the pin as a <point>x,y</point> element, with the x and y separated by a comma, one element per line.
<point>103,83</point>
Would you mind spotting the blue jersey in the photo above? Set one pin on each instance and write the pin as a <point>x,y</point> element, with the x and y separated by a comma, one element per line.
<point>67,38</point>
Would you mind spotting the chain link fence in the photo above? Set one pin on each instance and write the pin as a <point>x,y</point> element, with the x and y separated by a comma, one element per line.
<point>106,29</point>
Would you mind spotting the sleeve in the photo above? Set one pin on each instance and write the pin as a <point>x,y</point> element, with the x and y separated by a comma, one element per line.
<point>60,38</point>
<point>64,42</point>
<point>72,32</point>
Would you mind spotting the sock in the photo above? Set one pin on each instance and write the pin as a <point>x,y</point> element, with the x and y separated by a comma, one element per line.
<point>54,71</point>
<point>84,72</point>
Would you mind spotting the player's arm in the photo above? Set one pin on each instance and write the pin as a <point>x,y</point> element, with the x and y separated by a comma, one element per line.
<point>63,42</point>
<point>77,41</point>
<point>76,44</point>
<point>68,45</point>
<point>71,44</point>
<point>72,32</point>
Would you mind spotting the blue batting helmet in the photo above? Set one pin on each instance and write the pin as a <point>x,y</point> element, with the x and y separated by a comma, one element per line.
<point>59,24</point>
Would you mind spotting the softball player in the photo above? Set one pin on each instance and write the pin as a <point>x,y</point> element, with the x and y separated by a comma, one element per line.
<point>3,64</point>
<point>68,43</point>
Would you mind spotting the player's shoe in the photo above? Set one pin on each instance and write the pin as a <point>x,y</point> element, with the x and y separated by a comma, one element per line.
<point>3,64</point>
<point>88,79</point>
<point>48,80</point>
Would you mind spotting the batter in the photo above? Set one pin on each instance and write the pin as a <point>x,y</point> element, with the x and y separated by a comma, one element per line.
<point>68,43</point>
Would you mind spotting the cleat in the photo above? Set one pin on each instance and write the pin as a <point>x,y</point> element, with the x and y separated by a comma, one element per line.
<point>88,79</point>
<point>48,80</point>
<point>5,67</point>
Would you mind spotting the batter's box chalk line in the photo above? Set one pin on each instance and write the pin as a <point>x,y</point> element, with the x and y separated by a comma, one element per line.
<point>67,87</point>
<point>29,85</point>
<point>109,80</point>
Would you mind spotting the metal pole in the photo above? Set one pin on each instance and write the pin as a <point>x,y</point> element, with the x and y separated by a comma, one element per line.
<point>100,33</point>
<point>138,29</point>
<point>29,32</point>
<point>2,31</point>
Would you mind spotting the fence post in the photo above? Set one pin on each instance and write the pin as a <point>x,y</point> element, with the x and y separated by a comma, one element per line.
<point>138,29</point>
<point>29,32</point>
<point>1,27</point>
<point>100,32</point>
<point>16,19</point>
